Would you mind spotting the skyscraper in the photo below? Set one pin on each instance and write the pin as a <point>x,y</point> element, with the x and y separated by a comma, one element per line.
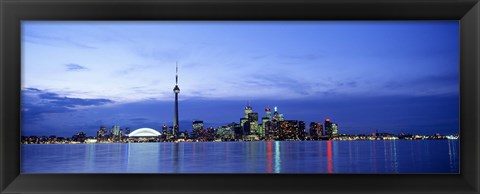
<point>197,127</point>
<point>266,122</point>
<point>253,119</point>
<point>277,116</point>
<point>268,113</point>
<point>334,130</point>
<point>176,90</point>
<point>313,133</point>
<point>301,130</point>
<point>328,128</point>
<point>248,110</point>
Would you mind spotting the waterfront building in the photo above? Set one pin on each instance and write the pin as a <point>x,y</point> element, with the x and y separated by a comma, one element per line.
<point>288,130</point>
<point>238,131</point>
<point>316,130</point>
<point>197,124</point>
<point>253,120</point>
<point>266,126</point>
<point>242,122</point>
<point>247,110</point>
<point>268,113</point>
<point>328,128</point>
<point>164,135</point>
<point>170,135</point>
<point>301,133</point>
<point>266,123</point>
<point>225,133</point>
<point>268,130</point>
<point>176,90</point>
<point>196,127</point>
<point>202,135</point>
<point>312,131</point>
<point>210,134</point>
<point>102,135</point>
<point>80,137</point>
<point>115,133</point>
<point>144,132</point>
<point>246,128</point>
<point>183,135</point>
<point>277,116</point>
<point>320,130</point>
<point>334,130</point>
<point>144,135</point>
<point>164,129</point>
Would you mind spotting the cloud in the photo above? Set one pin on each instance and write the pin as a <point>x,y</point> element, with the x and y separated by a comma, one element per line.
<point>425,86</point>
<point>75,67</point>
<point>139,120</point>
<point>36,103</point>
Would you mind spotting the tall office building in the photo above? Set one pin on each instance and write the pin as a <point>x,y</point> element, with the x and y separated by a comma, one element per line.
<point>277,116</point>
<point>288,130</point>
<point>301,133</point>
<point>334,130</point>
<point>266,122</point>
<point>115,133</point>
<point>313,133</point>
<point>248,110</point>
<point>242,121</point>
<point>164,129</point>
<point>176,90</point>
<point>268,113</point>
<point>328,127</point>
<point>320,130</point>
<point>253,120</point>
<point>197,126</point>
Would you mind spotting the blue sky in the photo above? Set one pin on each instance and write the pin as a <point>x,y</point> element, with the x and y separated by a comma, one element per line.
<point>392,76</point>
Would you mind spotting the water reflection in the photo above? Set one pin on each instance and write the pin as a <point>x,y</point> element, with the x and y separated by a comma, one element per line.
<point>329,157</point>
<point>175,157</point>
<point>373,152</point>
<point>269,157</point>
<point>394,154</point>
<point>277,157</point>
<point>452,154</point>
<point>141,158</point>
<point>245,157</point>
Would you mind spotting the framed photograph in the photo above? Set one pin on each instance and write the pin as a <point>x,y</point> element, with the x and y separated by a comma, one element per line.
<point>244,96</point>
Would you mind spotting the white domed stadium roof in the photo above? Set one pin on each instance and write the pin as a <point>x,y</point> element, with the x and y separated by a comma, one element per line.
<point>144,132</point>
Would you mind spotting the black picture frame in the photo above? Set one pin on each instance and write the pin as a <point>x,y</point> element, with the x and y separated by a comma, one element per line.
<point>12,12</point>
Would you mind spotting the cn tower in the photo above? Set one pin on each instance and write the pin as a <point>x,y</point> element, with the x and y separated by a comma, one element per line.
<point>176,90</point>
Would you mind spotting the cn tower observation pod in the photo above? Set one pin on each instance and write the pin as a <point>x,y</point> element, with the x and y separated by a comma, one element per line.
<point>144,132</point>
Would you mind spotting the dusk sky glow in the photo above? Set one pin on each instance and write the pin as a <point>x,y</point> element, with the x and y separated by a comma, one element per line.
<point>391,76</point>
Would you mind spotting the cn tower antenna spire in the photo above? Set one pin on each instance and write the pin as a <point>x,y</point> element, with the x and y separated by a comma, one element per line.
<point>176,90</point>
<point>176,73</point>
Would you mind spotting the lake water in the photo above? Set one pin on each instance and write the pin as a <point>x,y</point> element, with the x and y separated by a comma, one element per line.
<point>399,156</point>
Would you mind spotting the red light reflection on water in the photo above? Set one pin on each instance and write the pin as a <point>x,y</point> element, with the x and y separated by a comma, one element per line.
<point>269,157</point>
<point>329,157</point>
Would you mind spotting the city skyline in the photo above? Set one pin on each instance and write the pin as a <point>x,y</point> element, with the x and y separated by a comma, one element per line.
<point>57,94</point>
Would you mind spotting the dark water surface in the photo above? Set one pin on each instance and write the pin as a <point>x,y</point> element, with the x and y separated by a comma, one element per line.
<point>399,156</point>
